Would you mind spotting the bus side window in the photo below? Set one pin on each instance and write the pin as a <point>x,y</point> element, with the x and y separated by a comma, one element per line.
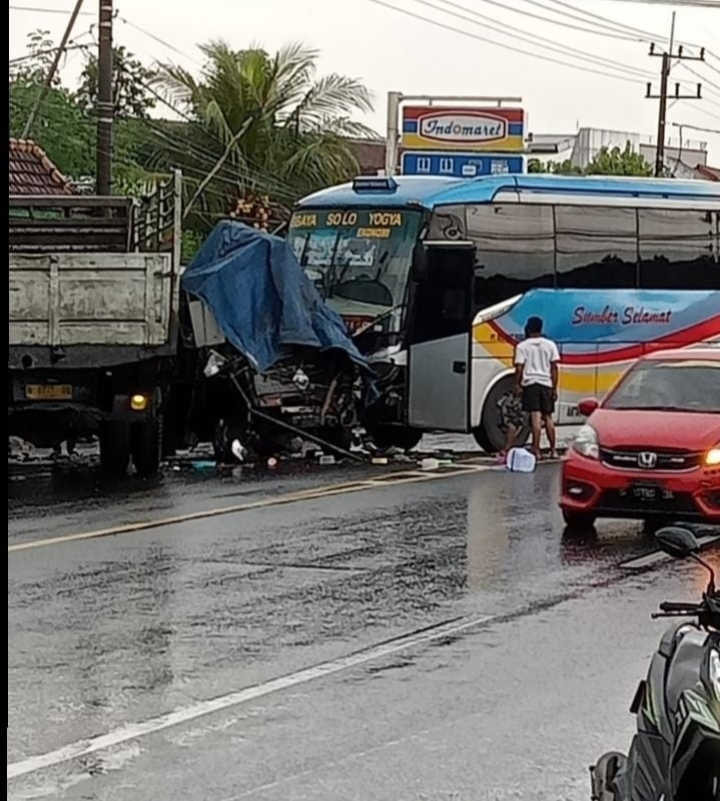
<point>679,249</point>
<point>515,249</point>
<point>596,247</point>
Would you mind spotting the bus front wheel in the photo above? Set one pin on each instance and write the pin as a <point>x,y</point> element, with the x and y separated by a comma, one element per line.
<point>490,435</point>
<point>396,437</point>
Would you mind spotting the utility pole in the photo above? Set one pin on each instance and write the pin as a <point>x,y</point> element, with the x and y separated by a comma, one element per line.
<point>105,105</point>
<point>27,130</point>
<point>664,95</point>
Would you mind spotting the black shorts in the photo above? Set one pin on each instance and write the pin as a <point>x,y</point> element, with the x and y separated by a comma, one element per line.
<point>538,398</point>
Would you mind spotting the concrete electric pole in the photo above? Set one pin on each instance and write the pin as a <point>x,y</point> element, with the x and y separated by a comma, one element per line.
<point>664,95</point>
<point>105,105</point>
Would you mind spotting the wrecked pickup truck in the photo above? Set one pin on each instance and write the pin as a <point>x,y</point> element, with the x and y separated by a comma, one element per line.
<point>278,364</point>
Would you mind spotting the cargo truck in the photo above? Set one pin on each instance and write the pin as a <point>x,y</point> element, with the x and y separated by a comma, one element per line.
<point>94,287</point>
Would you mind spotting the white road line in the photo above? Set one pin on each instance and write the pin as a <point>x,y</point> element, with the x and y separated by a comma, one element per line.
<point>658,556</point>
<point>135,731</point>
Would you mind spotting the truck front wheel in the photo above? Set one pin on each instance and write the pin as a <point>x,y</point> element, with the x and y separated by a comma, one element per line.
<point>146,445</point>
<point>114,438</point>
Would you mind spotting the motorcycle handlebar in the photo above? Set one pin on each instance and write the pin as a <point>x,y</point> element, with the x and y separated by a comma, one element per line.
<point>707,612</point>
<point>673,606</point>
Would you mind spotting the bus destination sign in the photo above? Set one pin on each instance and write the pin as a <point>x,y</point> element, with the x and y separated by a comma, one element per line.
<point>365,224</point>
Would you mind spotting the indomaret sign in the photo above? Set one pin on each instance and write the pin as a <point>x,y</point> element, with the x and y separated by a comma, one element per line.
<point>467,129</point>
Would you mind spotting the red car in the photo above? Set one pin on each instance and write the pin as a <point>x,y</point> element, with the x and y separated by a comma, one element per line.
<point>651,449</point>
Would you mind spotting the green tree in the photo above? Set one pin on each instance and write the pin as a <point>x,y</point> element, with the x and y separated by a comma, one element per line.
<point>65,123</point>
<point>263,125</point>
<point>565,167</point>
<point>131,82</point>
<point>60,128</point>
<point>619,161</point>
<point>607,161</point>
<point>34,66</point>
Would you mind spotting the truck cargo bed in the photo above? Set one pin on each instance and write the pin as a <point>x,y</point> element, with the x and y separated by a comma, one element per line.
<point>68,299</point>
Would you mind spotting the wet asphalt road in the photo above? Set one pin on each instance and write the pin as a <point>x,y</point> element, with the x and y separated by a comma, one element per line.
<point>115,643</point>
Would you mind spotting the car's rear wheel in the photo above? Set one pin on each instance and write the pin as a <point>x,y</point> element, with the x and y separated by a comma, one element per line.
<point>579,521</point>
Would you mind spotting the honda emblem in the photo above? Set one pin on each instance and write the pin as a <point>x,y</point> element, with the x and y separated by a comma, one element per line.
<point>647,460</point>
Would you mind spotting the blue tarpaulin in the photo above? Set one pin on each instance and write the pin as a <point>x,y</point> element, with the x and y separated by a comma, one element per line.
<point>261,298</point>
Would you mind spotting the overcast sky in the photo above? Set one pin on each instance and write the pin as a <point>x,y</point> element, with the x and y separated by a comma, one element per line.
<point>389,50</point>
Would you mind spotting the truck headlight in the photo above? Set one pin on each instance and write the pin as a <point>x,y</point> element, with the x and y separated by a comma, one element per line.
<point>139,402</point>
<point>586,442</point>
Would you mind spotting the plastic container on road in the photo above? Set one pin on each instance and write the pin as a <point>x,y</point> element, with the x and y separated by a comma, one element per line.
<point>520,460</point>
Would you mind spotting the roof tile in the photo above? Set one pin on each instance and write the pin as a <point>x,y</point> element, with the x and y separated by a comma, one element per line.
<point>32,173</point>
<point>708,173</point>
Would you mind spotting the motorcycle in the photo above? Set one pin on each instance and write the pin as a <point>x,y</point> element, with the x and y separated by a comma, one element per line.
<point>675,754</point>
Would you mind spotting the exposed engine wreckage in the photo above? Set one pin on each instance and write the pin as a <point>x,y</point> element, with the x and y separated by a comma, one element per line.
<point>284,361</point>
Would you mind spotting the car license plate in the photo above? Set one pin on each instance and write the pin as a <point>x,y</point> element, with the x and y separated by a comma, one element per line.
<point>650,493</point>
<point>42,392</point>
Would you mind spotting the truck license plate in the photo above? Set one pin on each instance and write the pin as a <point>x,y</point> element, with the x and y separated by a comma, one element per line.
<point>41,392</point>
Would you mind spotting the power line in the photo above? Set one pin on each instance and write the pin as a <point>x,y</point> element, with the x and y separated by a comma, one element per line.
<point>522,52</point>
<point>598,31</point>
<point>186,148</point>
<point>646,36</point>
<point>157,39</point>
<point>706,81</point>
<point>712,66</point>
<point>696,127</point>
<point>534,39</point>
<point>712,4</point>
<point>707,113</point>
<point>39,53</point>
<point>46,10</point>
<point>610,27</point>
<point>233,174</point>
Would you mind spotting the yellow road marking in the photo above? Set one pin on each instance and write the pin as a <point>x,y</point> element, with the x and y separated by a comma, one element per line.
<point>404,477</point>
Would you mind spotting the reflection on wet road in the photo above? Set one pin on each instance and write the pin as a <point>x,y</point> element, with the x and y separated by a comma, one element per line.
<point>105,634</point>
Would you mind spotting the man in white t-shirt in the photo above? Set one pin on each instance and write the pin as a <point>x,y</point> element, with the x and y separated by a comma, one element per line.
<point>537,360</point>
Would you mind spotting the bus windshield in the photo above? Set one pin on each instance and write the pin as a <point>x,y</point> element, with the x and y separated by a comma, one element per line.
<point>359,259</point>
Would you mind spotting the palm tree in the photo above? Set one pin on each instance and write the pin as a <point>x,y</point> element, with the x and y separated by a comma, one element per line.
<point>261,125</point>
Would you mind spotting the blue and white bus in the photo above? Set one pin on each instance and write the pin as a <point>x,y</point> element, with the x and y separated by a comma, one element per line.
<point>436,276</point>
